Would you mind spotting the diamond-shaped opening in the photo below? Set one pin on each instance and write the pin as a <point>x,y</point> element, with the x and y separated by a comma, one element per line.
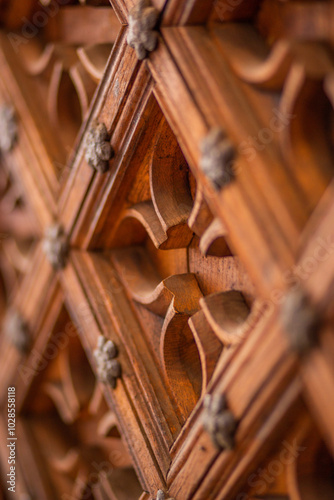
<point>60,53</point>
<point>176,265</point>
<point>67,428</point>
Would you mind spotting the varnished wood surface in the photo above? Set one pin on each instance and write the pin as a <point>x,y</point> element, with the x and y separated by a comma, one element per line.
<point>191,281</point>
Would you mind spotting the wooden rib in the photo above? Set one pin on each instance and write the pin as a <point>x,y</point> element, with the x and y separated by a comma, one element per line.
<point>229,316</point>
<point>18,259</point>
<point>130,232</point>
<point>108,425</point>
<point>145,496</point>
<point>213,240</point>
<point>62,390</point>
<point>96,399</point>
<point>209,347</point>
<point>148,287</point>
<point>252,60</point>
<point>94,59</point>
<point>53,91</point>
<point>171,289</point>
<point>121,484</point>
<point>38,62</point>
<point>67,464</point>
<point>142,220</point>
<point>81,484</point>
<point>200,216</point>
<point>68,410</point>
<point>84,86</point>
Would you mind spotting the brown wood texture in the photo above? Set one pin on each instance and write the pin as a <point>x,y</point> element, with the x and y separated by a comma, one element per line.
<point>166,249</point>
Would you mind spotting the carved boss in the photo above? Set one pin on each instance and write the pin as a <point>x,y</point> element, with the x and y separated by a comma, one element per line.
<point>98,148</point>
<point>217,158</point>
<point>219,421</point>
<point>141,36</point>
<point>55,246</point>
<point>8,128</point>
<point>108,368</point>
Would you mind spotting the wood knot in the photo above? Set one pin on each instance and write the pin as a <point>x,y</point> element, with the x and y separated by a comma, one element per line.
<point>98,148</point>
<point>16,331</point>
<point>141,35</point>
<point>55,246</point>
<point>219,421</point>
<point>108,368</point>
<point>8,128</point>
<point>217,158</point>
<point>300,321</point>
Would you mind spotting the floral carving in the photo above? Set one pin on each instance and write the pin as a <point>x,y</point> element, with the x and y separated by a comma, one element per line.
<point>108,368</point>
<point>161,496</point>
<point>98,148</point>
<point>219,421</point>
<point>141,37</point>
<point>8,128</point>
<point>217,158</point>
<point>300,321</point>
<point>55,246</point>
<point>16,331</point>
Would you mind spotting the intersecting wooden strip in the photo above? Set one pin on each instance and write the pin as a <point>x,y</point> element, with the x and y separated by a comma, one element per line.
<point>137,427</point>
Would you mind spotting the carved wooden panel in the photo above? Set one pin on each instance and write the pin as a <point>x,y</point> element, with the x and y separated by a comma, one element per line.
<point>166,249</point>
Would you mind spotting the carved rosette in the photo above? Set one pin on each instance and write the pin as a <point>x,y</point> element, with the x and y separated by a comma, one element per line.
<point>141,36</point>
<point>98,148</point>
<point>108,368</point>
<point>300,321</point>
<point>217,158</point>
<point>162,496</point>
<point>55,246</point>
<point>8,128</point>
<point>16,331</point>
<point>219,421</point>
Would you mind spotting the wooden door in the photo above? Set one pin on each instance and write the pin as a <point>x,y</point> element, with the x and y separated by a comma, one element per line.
<point>167,250</point>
